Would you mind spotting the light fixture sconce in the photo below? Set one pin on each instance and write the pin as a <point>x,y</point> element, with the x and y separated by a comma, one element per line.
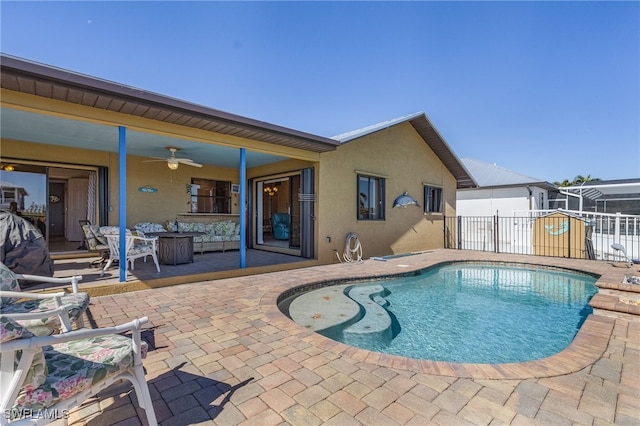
<point>8,168</point>
<point>172,164</point>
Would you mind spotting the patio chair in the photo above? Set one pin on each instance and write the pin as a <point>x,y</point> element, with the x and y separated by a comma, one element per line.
<point>83,244</point>
<point>145,247</point>
<point>96,243</point>
<point>26,307</point>
<point>280,225</point>
<point>52,374</point>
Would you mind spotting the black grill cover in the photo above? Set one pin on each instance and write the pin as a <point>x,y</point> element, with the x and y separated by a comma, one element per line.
<point>23,249</point>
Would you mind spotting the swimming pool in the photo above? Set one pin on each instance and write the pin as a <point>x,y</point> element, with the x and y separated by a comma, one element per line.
<point>460,312</point>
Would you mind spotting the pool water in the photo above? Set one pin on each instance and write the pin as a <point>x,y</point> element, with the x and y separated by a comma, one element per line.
<point>481,313</point>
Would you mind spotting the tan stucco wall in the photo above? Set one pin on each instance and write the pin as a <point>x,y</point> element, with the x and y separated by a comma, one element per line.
<point>171,197</point>
<point>401,155</point>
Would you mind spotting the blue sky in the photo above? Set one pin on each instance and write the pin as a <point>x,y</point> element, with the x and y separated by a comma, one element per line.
<point>547,89</point>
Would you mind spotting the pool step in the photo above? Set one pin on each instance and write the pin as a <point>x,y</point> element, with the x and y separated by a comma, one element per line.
<point>345,312</point>
<point>618,299</point>
<point>325,308</point>
<point>376,323</point>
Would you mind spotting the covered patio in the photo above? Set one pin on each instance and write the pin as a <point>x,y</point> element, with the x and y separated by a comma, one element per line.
<point>105,152</point>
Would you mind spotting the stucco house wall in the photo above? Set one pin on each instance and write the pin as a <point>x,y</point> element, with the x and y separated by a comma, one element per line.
<point>500,191</point>
<point>402,156</point>
<point>501,201</point>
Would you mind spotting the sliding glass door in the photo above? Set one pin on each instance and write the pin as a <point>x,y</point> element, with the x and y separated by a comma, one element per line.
<point>284,213</point>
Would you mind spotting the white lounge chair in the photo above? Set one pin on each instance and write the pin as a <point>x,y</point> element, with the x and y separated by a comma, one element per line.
<point>25,307</point>
<point>136,247</point>
<point>45,376</point>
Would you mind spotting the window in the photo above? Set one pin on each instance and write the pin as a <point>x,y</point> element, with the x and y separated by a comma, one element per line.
<point>370,198</point>
<point>210,196</point>
<point>432,199</point>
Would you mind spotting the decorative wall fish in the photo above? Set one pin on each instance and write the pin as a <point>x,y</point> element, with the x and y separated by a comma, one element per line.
<point>405,200</point>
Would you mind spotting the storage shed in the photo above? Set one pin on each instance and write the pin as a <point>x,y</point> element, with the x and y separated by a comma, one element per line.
<point>561,234</point>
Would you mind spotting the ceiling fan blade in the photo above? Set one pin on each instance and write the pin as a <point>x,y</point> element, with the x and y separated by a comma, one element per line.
<point>155,159</point>
<point>188,162</point>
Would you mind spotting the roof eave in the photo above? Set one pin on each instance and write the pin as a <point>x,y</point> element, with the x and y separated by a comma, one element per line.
<point>40,73</point>
<point>441,148</point>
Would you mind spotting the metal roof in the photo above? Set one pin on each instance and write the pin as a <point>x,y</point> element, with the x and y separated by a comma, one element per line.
<point>491,175</point>
<point>55,83</point>
<point>430,135</point>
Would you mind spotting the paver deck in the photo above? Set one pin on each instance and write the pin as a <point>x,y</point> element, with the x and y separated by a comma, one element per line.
<point>223,354</point>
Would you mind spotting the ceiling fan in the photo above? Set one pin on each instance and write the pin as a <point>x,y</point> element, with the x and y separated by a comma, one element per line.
<point>173,161</point>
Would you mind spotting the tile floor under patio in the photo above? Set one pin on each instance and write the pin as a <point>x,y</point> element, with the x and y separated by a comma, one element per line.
<point>222,354</point>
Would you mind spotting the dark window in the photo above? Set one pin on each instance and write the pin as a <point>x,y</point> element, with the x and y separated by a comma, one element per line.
<point>210,196</point>
<point>432,199</point>
<point>370,198</point>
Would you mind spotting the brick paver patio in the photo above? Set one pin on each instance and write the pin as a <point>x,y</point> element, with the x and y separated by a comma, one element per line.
<point>222,354</point>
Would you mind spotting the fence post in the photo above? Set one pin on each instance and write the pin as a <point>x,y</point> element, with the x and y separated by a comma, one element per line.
<point>444,232</point>
<point>496,238</point>
<point>459,233</point>
<point>569,227</point>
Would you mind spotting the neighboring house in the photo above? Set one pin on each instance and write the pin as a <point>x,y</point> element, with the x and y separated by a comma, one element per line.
<point>10,192</point>
<point>79,131</point>
<point>501,191</point>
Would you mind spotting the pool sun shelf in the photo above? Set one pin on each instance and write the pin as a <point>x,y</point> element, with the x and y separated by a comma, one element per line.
<point>353,312</point>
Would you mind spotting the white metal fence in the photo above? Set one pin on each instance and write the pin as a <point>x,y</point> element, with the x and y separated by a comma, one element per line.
<point>560,233</point>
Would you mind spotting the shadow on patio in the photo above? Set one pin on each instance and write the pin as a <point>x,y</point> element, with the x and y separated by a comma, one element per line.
<point>206,266</point>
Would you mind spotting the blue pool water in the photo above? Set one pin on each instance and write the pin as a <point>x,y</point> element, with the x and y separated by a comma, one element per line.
<point>481,313</point>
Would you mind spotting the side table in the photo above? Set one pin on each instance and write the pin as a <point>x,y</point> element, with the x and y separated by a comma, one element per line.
<point>175,247</point>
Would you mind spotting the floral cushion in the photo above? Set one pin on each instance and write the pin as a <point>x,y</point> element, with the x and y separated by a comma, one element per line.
<point>225,228</point>
<point>78,302</point>
<point>145,227</point>
<point>95,238</point>
<point>10,330</point>
<point>140,249</point>
<point>8,282</point>
<point>75,366</point>
<point>112,230</point>
<point>191,227</point>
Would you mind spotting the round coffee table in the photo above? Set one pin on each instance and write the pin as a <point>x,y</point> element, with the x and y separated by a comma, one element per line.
<point>175,247</point>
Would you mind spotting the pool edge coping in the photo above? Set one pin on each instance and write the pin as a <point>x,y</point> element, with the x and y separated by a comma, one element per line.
<point>586,348</point>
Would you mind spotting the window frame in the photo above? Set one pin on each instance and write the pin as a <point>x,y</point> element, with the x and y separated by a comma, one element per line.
<point>428,199</point>
<point>373,183</point>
